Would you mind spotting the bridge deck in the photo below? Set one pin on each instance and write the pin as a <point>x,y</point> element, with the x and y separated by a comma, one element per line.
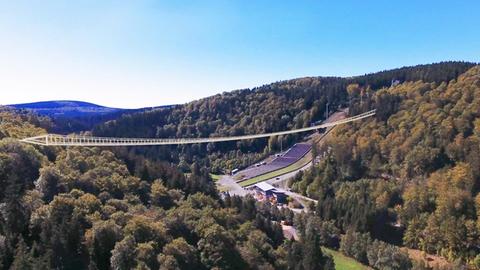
<point>75,140</point>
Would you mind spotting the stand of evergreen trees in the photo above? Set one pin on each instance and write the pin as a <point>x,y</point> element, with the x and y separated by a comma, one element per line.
<point>408,177</point>
<point>274,107</point>
<point>411,176</point>
<point>81,208</point>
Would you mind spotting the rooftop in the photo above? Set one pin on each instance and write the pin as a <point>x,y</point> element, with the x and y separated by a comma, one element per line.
<point>264,186</point>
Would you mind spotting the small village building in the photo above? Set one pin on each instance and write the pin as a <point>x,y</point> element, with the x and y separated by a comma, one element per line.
<point>280,196</point>
<point>265,191</point>
<point>264,188</point>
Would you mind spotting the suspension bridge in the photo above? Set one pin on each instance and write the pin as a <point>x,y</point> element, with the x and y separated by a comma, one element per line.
<point>78,140</point>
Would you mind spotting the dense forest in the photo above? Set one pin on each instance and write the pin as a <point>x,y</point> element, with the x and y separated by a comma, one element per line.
<point>409,177</point>
<point>412,173</point>
<point>80,208</point>
<point>274,107</point>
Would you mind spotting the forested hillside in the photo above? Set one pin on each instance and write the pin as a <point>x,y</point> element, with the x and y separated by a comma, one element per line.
<point>412,172</point>
<point>80,208</point>
<point>15,125</point>
<point>408,177</point>
<point>274,107</point>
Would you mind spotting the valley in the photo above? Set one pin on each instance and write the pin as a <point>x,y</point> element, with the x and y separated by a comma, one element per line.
<point>240,135</point>
<point>366,193</point>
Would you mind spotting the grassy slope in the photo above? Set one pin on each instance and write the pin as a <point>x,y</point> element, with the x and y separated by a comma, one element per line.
<point>295,166</point>
<point>343,262</point>
<point>215,177</point>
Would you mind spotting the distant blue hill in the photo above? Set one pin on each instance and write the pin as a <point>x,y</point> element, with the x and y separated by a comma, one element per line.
<point>67,108</point>
<point>73,116</point>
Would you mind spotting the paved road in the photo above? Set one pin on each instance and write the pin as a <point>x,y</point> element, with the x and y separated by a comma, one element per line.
<point>227,182</point>
<point>282,180</point>
<point>299,196</point>
<point>230,186</point>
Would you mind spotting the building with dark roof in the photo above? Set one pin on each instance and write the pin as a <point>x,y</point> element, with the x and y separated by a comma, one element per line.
<point>265,191</point>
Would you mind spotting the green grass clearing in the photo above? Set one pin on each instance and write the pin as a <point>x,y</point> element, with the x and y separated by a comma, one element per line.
<point>343,262</point>
<point>215,177</point>
<point>293,167</point>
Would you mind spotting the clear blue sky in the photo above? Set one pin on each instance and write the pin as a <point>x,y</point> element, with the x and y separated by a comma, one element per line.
<point>145,53</point>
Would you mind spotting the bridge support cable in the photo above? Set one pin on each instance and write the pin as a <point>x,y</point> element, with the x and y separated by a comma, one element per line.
<point>77,140</point>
